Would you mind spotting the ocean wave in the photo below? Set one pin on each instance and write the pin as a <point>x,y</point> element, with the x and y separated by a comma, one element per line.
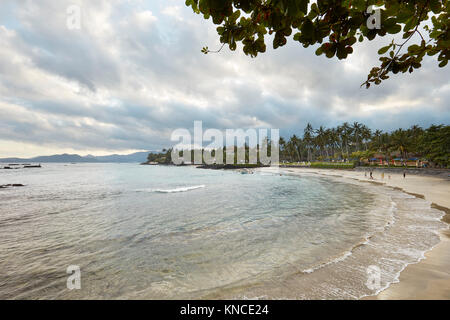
<point>174,190</point>
<point>392,251</point>
<point>320,266</point>
<point>365,241</point>
<point>411,229</point>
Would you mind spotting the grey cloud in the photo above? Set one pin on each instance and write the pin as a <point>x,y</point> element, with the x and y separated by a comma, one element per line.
<point>126,81</point>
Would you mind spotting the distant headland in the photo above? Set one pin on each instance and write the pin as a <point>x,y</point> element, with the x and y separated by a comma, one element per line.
<point>136,157</point>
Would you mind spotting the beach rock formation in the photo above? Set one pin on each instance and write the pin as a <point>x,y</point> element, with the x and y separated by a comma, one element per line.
<point>4,186</point>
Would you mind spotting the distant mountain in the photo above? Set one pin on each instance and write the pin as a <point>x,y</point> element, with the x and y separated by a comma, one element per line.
<point>61,158</point>
<point>134,157</point>
<point>55,158</point>
<point>137,157</point>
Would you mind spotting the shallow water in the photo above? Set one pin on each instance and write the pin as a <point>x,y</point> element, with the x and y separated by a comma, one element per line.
<point>156,232</point>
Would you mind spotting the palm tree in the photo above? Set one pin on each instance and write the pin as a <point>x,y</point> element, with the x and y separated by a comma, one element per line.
<point>385,146</point>
<point>321,140</point>
<point>366,135</point>
<point>356,130</point>
<point>376,139</point>
<point>308,136</point>
<point>401,142</point>
<point>415,133</point>
<point>296,145</point>
<point>282,144</point>
<point>290,149</point>
<point>432,143</point>
<point>346,132</point>
<point>333,140</point>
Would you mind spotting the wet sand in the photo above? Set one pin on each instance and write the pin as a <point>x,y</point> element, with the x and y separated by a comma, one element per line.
<point>429,278</point>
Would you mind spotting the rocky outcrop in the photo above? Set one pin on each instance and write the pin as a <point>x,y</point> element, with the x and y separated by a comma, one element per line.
<point>4,186</point>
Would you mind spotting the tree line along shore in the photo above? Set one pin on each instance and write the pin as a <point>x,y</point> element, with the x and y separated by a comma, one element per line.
<point>351,145</point>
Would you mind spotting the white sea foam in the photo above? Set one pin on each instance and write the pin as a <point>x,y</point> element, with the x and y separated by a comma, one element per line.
<point>411,229</point>
<point>366,241</point>
<point>174,190</point>
<point>340,258</point>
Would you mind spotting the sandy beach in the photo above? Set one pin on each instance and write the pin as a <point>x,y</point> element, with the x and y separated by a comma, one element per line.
<point>430,278</point>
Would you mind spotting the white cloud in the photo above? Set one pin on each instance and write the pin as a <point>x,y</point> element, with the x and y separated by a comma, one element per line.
<point>145,19</point>
<point>174,12</point>
<point>134,72</point>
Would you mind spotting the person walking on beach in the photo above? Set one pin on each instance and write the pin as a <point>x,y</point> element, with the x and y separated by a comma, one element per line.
<point>371,176</point>
<point>404,174</point>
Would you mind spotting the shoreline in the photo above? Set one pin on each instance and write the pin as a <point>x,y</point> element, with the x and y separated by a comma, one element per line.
<point>429,278</point>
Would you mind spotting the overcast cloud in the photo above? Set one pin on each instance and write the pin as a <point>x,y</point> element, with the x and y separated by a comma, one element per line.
<point>134,72</point>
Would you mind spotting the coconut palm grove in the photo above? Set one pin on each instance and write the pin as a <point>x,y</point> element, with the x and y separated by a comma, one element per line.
<point>349,145</point>
<point>415,146</point>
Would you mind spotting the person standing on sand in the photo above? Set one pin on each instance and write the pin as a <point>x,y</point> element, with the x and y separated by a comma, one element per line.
<point>382,175</point>
<point>404,174</point>
<point>371,176</point>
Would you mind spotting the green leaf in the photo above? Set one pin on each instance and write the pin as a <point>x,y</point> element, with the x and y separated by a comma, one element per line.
<point>307,29</point>
<point>330,50</point>
<point>341,52</point>
<point>293,9</point>
<point>407,34</point>
<point>319,51</point>
<point>413,48</point>
<point>396,28</point>
<point>383,50</point>
<point>409,24</point>
<point>303,6</point>
<point>435,6</point>
<point>443,63</point>
<point>233,18</point>
<point>342,22</point>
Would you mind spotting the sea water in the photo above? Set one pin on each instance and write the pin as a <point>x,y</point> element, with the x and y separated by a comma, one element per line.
<point>157,232</point>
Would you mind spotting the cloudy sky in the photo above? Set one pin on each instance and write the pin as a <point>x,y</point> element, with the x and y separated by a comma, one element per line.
<point>134,72</point>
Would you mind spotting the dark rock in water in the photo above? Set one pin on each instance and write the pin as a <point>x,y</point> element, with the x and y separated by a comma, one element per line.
<point>11,185</point>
